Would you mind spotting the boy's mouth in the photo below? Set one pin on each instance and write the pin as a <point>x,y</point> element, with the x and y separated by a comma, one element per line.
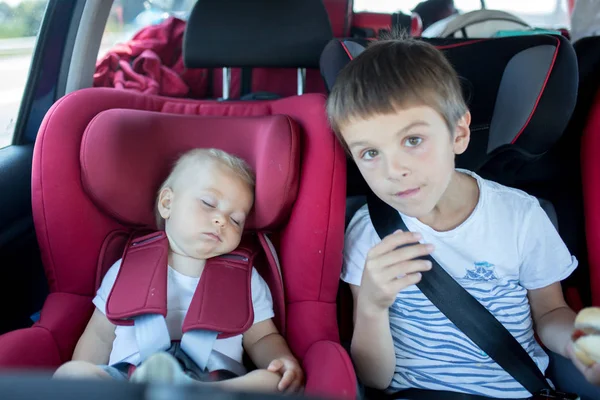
<point>408,193</point>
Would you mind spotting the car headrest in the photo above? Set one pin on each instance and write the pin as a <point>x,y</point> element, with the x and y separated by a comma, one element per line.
<point>127,154</point>
<point>520,90</point>
<point>258,33</point>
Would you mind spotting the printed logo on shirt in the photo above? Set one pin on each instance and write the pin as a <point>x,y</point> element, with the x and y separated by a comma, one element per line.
<point>483,271</point>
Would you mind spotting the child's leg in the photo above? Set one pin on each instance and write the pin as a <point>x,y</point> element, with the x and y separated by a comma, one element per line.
<point>259,380</point>
<point>80,369</point>
<point>163,367</point>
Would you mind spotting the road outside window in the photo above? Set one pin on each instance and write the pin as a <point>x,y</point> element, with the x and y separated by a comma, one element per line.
<point>20,22</point>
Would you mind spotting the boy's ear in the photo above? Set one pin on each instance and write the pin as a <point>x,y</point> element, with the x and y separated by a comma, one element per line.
<point>462,134</point>
<point>165,199</point>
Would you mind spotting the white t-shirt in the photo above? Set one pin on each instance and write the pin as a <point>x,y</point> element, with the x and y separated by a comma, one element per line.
<point>180,290</point>
<point>506,246</point>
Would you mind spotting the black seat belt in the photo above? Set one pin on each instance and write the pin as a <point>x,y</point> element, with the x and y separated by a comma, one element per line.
<point>472,318</point>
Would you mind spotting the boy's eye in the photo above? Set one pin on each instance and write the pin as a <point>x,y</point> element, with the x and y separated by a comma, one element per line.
<point>369,154</point>
<point>413,141</point>
<point>236,222</point>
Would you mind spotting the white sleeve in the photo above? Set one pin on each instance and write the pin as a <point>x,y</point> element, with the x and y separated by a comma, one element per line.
<point>107,284</point>
<point>262,301</point>
<point>545,256</point>
<point>359,239</point>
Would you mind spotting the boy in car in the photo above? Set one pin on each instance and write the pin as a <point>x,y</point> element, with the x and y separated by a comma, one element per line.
<point>202,206</point>
<point>398,109</point>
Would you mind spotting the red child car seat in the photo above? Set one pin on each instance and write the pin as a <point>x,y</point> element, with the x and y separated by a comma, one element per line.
<point>139,293</point>
<point>82,226</point>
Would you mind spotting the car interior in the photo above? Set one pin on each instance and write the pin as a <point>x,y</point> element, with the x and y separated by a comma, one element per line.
<point>100,123</point>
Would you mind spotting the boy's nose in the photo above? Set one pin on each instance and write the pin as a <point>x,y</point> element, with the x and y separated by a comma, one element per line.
<point>397,169</point>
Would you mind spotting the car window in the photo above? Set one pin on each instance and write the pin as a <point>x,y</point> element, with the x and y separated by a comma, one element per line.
<point>538,13</point>
<point>392,6</point>
<point>20,21</point>
<point>127,17</point>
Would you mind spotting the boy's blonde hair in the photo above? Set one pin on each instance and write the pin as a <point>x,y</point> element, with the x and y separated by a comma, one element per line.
<point>393,74</point>
<point>196,159</point>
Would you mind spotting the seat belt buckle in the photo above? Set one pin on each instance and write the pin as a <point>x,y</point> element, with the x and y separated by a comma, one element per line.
<point>555,395</point>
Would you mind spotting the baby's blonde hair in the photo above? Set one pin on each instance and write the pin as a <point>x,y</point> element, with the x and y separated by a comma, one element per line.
<point>197,158</point>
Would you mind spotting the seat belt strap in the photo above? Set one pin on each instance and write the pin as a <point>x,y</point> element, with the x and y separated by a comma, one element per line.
<point>151,334</point>
<point>472,318</point>
<point>219,362</point>
<point>198,344</point>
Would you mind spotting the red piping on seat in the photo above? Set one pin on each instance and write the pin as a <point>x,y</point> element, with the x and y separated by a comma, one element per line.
<point>347,51</point>
<point>451,46</point>
<point>541,92</point>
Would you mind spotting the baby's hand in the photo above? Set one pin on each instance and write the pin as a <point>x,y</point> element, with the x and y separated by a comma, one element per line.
<point>292,376</point>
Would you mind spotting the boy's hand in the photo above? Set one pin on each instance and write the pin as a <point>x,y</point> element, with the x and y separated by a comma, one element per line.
<point>388,270</point>
<point>591,373</point>
<point>292,376</point>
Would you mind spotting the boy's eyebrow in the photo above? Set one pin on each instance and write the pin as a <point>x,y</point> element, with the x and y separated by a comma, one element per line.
<point>400,132</point>
<point>412,125</point>
<point>359,143</point>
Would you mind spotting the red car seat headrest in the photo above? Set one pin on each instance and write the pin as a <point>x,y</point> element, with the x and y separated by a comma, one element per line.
<point>127,154</point>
